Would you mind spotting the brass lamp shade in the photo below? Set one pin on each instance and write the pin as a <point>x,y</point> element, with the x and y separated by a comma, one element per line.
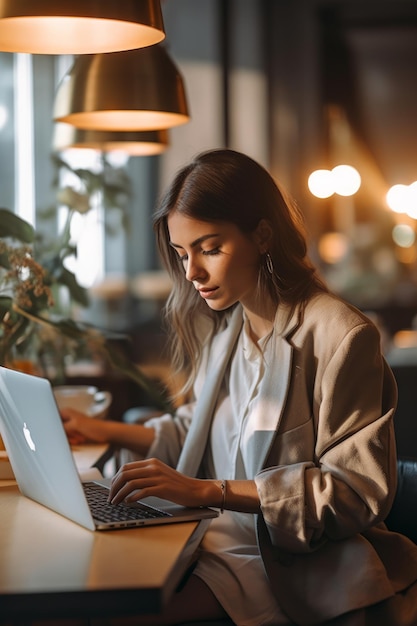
<point>145,143</point>
<point>79,26</point>
<point>131,90</point>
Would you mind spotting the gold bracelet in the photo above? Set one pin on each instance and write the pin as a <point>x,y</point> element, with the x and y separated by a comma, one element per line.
<point>223,485</point>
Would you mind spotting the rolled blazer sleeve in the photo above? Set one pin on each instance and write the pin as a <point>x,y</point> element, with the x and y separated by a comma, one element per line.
<point>343,480</point>
<point>170,434</point>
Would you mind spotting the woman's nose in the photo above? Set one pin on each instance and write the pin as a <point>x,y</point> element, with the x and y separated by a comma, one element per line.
<point>193,271</point>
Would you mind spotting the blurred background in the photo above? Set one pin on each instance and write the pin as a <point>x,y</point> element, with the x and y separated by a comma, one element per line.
<point>303,86</point>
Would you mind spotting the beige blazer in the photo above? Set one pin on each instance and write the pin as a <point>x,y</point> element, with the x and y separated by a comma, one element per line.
<point>323,458</point>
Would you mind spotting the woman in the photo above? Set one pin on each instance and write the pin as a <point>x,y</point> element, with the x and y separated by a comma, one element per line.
<point>289,431</point>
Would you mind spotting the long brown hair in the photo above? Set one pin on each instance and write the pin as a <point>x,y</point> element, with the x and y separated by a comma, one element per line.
<point>225,185</point>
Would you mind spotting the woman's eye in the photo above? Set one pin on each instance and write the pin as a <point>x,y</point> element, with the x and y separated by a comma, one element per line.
<point>213,251</point>
<point>182,258</point>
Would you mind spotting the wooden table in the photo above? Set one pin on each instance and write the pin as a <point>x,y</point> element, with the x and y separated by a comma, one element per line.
<point>52,568</point>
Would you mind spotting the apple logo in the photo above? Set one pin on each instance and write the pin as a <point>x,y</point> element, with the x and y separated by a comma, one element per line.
<point>28,437</point>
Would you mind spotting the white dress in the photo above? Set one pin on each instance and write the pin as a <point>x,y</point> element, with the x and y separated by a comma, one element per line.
<point>230,563</point>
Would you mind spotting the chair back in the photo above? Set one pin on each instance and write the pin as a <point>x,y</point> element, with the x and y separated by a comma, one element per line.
<point>403,515</point>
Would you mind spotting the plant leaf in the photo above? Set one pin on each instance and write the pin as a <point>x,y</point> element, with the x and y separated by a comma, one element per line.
<point>77,292</point>
<point>4,260</point>
<point>6,304</point>
<point>11,225</point>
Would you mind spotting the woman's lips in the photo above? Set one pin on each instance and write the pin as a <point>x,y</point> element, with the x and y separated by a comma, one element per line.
<point>207,293</point>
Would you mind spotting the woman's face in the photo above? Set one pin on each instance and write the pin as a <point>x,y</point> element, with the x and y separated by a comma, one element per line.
<point>220,260</point>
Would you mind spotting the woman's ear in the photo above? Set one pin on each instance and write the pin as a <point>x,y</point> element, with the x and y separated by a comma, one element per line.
<point>263,235</point>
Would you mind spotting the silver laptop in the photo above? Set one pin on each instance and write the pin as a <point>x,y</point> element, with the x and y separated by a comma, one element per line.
<point>45,469</point>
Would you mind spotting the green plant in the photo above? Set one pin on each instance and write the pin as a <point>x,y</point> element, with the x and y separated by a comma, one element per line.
<point>27,305</point>
<point>25,284</point>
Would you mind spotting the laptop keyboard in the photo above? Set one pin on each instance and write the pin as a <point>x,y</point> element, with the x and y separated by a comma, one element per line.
<point>103,511</point>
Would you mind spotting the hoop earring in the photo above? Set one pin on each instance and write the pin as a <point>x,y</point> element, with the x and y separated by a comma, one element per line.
<point>269,264</point>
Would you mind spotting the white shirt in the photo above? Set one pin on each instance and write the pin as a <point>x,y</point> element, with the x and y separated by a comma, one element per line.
<point>230,563</point>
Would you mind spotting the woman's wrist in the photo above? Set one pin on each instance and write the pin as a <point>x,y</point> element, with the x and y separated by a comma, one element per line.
<point>211,493</point>
<point>223,489</point>
<point>232,495</point>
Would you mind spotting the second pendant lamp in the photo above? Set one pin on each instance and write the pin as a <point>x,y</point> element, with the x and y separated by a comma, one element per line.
<point>138,143</point>
<point>131,90</point>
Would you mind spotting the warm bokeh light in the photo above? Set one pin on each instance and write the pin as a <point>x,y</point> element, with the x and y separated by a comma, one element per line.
<point>333,247</point>
<point>320,183</point>
<point>403,235</point>
<point>397,198</point>
<point>346,180</point>
<point>403,199</point>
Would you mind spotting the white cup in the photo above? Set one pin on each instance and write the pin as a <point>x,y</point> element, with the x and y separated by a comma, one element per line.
<point>84,398</point>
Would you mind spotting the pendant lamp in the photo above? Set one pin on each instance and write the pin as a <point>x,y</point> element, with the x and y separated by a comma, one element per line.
<point>131,90</point>
<point>79,26</point>
<point>141,143</point>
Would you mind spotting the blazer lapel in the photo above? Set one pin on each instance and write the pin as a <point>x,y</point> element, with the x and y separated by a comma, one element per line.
<point>220,353</point>
<point>272,395</point>
<point>267,414</point>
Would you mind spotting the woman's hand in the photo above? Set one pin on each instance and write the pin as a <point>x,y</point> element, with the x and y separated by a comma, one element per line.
<point>82,429</point>
<point>152,477</point>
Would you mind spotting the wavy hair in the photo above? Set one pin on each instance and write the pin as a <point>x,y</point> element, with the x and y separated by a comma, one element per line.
<point>225,185</point>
